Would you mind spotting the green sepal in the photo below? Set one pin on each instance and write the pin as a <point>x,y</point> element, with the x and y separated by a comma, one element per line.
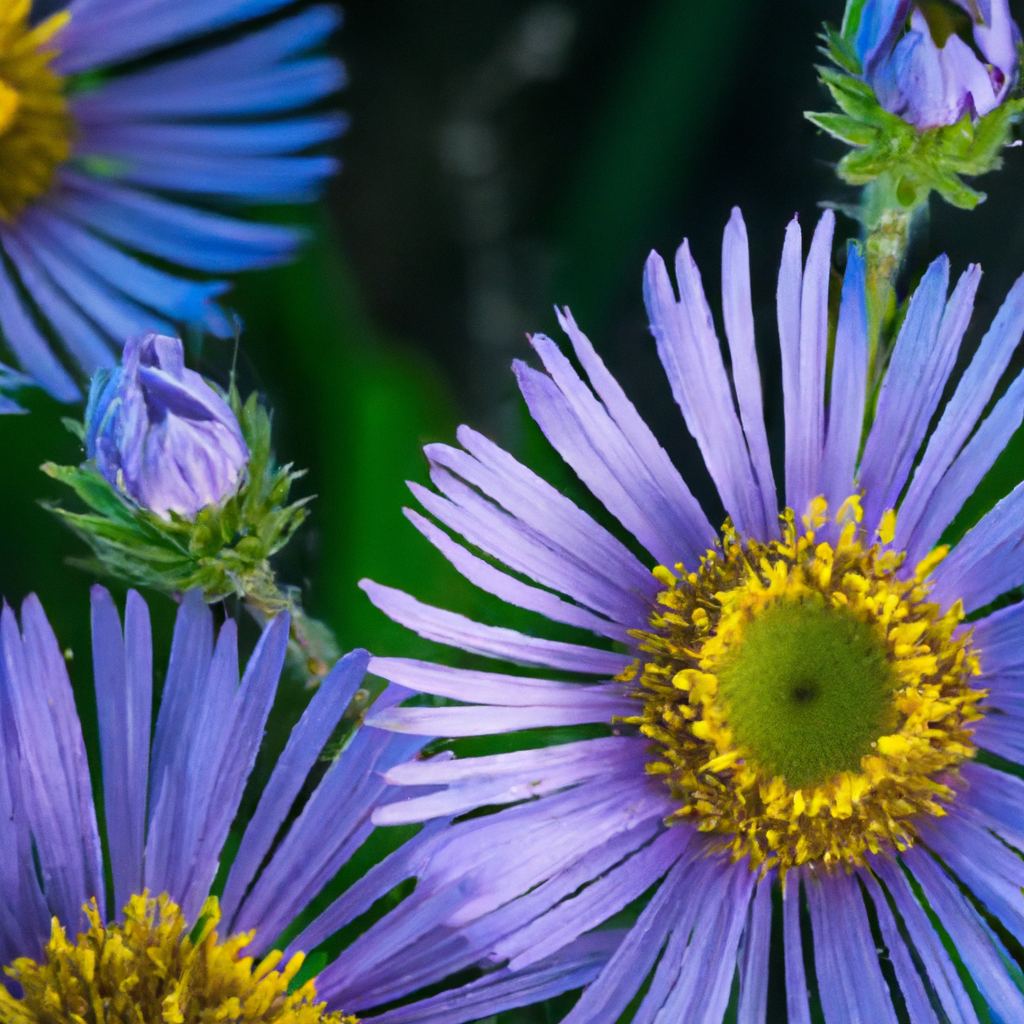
<point>840,50</point>
<point>918,162</point>
<point>845,129</point>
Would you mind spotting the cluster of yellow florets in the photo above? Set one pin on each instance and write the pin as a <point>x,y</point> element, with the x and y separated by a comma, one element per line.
<point>35,126</point>
<point>701,618</point>
<point>152,968</point>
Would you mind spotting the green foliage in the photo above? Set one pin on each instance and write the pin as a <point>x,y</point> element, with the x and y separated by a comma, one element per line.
<point>885,146</point>
<point>224,550</point>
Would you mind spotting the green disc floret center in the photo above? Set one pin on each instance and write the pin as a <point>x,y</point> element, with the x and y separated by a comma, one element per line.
<point>807,691</point>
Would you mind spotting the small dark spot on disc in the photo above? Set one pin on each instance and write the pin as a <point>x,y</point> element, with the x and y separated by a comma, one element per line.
<point>804,693</point>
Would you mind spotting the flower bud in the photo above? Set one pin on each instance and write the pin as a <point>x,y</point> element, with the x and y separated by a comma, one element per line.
<point>160,433</point>
<point>932,61</point>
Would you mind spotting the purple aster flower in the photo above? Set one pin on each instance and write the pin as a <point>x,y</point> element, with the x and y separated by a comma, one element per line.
<point>924,70</point>
<point>161,434</point>
<point>170,799</point>
<point>791,705</point>
<point>114,142</point>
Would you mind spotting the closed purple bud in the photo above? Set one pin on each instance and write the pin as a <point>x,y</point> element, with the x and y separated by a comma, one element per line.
<point>947,61</point>
<point>160,432</point>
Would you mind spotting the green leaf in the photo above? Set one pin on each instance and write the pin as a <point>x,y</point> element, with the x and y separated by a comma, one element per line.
<point>92,489</point>
<point>954,191</point>
<point>846,129</point>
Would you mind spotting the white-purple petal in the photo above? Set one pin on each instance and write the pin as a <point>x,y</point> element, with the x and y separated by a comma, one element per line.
<point>403,863</point>
<point>123,674</point>
<point>755,947</point>
<point>997,638</point>
<point>304,746</point>
<point>979,949</point>
<point>911,986</point>
<point>492,687</point>
<point>685,516</point>
<point>332,825</point>
<point>483,575</point>
<point>988,561</point>
<point>738,314</point>
<point>483,720</point>
<point>614,988</point>
<point>529,547</point>
<point>180,234</point>
<point>849,383</point>
<point>49,771</point>
<point>918,368</point>
<point>607,896</point>
<point>29,346</point>
<point>493,641</point>
<point>702,986</point>
<point>80,337</point>
<point>691,356</point>
<point>100,34</point>
<point>850,981</point>
<point>544,509</point>
<point>651,514</point>
<point>939,969</point>
<point>808,436</point>
<point>602,466</point>
<point>990,869</point>
<point>452,950</point>
<point>798,1007</point>
<point>574,967</point>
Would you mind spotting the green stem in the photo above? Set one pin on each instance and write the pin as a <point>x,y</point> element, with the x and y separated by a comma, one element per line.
<point>888,232</point>
<point>312,647</point>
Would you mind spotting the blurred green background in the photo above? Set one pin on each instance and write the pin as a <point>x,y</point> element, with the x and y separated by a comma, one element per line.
<point>503,156</point>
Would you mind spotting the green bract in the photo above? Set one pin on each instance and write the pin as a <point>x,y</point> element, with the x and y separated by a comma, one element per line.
<point>906,162</point>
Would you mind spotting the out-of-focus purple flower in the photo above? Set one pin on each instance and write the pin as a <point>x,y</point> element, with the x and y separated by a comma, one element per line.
<point>924,71</point>
<point>160,433</point>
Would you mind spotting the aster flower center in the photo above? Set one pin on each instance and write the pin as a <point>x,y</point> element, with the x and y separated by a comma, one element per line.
<point>806,700</point>
<point>35,126</point>
<point>153,968</point>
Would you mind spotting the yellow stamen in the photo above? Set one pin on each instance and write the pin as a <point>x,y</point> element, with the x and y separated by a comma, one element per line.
<point>152,969</point>
<point>35,127</point>
<point>909,771</point>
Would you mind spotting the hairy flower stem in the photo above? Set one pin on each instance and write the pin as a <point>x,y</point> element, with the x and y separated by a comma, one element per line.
<point>887,222</point>
<point>885,248</point>
<point>312,646</point>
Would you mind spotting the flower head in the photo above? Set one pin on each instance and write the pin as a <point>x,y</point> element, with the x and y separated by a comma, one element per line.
<point>159,945</point>
<point>112,140</point>
<point>161,434</point>
<point>794,702</point>
<point>926,96</point>
<point>933,61</point>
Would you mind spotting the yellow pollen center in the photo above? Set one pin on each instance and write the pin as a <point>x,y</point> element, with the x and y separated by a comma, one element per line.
<point>806,701</point>
<point>35,126</point>
<point>153,968</point>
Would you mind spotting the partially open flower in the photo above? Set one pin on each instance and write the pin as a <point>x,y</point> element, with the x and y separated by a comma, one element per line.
<point>161,434</point>
<point>933,61</point>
